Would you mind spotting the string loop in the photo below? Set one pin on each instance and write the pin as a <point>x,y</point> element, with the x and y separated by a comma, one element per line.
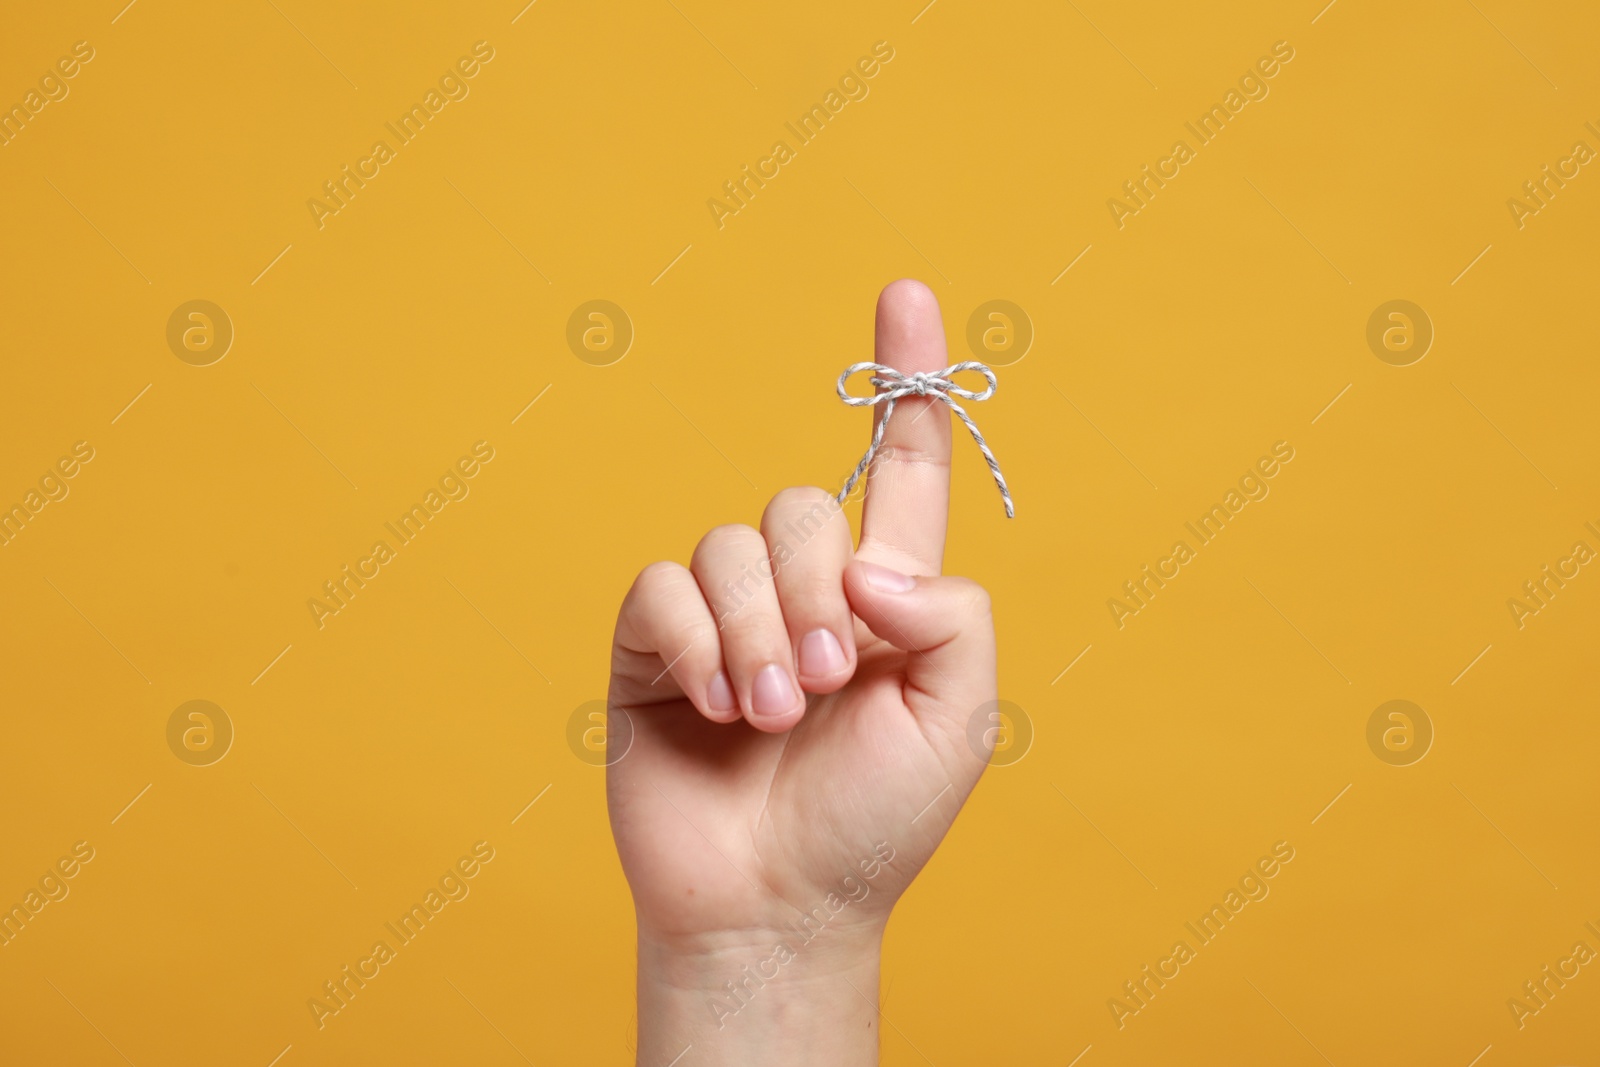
<point>893,385</point>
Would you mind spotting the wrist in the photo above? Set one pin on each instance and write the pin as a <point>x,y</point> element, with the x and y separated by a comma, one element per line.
<point>789,996</point>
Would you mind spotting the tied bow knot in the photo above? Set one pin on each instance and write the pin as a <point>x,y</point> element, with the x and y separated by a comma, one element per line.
<point>894,385</point>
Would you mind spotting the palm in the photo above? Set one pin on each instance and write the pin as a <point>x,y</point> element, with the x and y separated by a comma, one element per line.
<point>722,824</point>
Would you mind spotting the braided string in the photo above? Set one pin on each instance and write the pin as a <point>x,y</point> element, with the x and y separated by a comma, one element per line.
<point>894,385</point>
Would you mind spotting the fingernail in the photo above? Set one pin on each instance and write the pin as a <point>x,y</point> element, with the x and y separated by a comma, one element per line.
<point>773,693</point>
<point>885,580</point>
<point>719,694</point>
<point>820,654</point>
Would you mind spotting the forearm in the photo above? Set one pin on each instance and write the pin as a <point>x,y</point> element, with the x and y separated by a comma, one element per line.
<point>775,1002</point>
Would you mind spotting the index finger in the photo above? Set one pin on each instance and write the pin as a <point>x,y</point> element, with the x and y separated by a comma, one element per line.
<point>908,485</point>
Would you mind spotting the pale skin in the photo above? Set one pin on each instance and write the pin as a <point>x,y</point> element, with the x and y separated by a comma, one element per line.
<point>800,709</point>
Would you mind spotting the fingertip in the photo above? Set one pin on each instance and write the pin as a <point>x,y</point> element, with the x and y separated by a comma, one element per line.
<point>775,702</point>
<point>825,663</point>
<point>720,704</point>
<point>907,294</point>
<point>910,328</point>
<point>779,725</point>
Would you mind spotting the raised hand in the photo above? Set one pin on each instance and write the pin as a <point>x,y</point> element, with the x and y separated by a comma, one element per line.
<point>800,746</point>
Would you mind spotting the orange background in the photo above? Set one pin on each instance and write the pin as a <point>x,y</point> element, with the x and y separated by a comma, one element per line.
<point>371,353</point>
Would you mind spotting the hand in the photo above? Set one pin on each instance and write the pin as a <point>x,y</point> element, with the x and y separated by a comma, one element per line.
<point>748,815</point>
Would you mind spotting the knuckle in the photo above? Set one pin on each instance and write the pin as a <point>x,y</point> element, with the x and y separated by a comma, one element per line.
<point>796,496</point>
<point>732,530</point>
<point>724,538</point>
<point>912,455</point>
<point>702,648</point>
<point>811,593</point>
<point>745,594</point>
<point>657,577</point>
<point>748,632</point>
<point>975,600</point>
<point>802,513</point>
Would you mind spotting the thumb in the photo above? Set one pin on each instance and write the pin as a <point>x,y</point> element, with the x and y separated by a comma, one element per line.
<point>947,625</point>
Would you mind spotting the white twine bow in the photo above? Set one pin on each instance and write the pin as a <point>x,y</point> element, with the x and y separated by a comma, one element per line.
<point>937,386</point>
